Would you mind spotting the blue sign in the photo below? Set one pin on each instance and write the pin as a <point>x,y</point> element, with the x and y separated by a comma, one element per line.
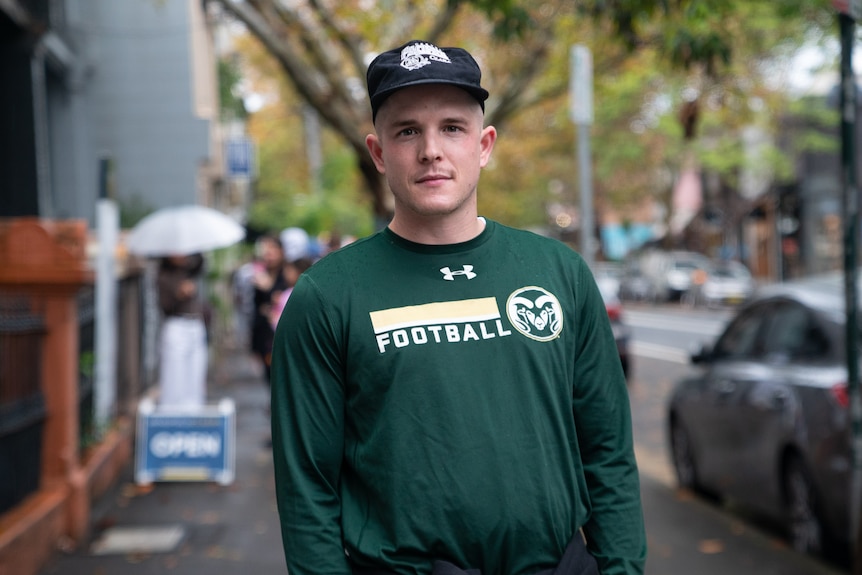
<point>175,444</point>
<point>239,158</point>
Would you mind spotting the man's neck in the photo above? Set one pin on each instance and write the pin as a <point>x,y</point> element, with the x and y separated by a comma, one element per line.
<point>443,233</point>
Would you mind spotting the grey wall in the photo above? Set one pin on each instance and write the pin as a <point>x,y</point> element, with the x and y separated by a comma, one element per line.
<point>129,97</point>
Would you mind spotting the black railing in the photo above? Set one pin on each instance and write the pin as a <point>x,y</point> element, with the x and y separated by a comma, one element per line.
<point>22,405</point>
<point>87,432</point>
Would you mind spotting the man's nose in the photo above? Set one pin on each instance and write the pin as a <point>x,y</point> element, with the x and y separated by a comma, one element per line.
<point>430,148</point>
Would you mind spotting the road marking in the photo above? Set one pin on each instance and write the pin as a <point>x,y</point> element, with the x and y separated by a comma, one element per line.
<point>138,539</point>
<point>662,352</point>
<point>699,325</point>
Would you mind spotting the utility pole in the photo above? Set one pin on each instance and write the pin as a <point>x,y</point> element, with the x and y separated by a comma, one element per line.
<point>581,94</point>
<point>848,12</point>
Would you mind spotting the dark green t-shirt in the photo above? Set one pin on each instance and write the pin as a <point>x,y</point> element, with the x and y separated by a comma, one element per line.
<point>462,402</point>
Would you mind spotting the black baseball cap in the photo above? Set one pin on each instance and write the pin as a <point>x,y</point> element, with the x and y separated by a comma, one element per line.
<point>418,62</point>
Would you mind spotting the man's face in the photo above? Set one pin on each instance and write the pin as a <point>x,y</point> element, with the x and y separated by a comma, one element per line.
<point>431,146</point>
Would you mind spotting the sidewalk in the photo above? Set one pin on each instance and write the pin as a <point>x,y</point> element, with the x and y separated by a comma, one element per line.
<point>208,529</point>
<point>194,528</point>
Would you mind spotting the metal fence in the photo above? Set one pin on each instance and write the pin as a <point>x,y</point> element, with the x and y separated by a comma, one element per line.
<point>87,432</point>
<point>22,402</point>
<point>22,405</point>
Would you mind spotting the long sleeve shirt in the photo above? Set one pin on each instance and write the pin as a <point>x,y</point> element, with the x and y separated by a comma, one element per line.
<point>463,403</point>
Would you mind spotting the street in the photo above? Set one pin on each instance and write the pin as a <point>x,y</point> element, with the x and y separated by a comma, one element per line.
<point>685,533</point>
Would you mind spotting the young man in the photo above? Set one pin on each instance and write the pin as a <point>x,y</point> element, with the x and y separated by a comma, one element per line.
<point>447,395</point>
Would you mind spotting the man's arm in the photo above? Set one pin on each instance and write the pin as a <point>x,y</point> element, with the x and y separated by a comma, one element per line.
<point>308,434</point>
<point>615,530</point>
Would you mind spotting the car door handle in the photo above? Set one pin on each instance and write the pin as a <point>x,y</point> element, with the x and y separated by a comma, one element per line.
<point>779,398</point>
<point>725,386</point>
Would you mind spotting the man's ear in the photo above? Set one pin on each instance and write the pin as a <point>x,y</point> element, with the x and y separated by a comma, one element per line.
<point>372,142</point>
<point>489,136</point>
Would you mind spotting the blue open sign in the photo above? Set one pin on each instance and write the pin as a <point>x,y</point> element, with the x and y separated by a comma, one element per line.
<point>175,444</point>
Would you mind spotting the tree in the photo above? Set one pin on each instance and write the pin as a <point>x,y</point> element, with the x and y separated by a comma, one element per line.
<point>667,87</point>
<point>705,38</point>
<point>230,102</point>
<point>721,61</point>
<point>323,48</point>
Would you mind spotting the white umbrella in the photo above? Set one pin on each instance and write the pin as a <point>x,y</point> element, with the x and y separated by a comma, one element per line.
<point>183,230</point>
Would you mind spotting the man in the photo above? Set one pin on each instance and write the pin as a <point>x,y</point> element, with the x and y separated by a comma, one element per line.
<point>447,395</point>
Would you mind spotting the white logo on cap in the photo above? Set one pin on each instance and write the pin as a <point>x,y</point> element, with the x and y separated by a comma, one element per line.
<point>417,56</point>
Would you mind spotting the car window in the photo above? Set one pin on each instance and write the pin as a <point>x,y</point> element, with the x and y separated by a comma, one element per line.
<point>793,333</point>
<point>740,339</point>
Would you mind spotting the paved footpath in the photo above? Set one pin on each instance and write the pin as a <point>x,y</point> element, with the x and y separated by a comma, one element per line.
<point>194,528</point>
<point>207,529</point>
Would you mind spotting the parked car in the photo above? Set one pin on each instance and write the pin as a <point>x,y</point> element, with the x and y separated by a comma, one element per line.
<point>672,273</point>
<point>607,275</point>
<point>765,423</point>
<point>635,285</point>
<point>622,334</point>
<point>725,283</point>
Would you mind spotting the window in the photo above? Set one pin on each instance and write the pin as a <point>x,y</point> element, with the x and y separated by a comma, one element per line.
<point>740,339</point>
<point>792,333</point>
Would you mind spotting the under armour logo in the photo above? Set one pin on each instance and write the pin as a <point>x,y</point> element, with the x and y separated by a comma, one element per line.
<point>449,275</point>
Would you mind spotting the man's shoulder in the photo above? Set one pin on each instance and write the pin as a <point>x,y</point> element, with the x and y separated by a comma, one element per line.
<point>346,257</point>
<point>534,239</point>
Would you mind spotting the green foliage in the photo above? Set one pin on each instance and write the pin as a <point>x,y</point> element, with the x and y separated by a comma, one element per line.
<point>230,101</point>
<point>818,126</point>
<point>651,58</point>
<point>133,210</point>
<point>509,19</point>
<point>339,205</point>
<point>706,33</point>
<point>87,364</point>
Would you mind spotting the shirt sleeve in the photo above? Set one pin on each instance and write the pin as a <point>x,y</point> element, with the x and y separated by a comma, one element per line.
<point>615,530</point>
<point>308,434</point>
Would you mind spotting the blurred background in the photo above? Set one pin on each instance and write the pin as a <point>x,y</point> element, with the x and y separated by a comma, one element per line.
<point>714,168</point>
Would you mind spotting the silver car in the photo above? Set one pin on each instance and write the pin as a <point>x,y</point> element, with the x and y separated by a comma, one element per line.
<point>765,423</point>
<point>727,283</point>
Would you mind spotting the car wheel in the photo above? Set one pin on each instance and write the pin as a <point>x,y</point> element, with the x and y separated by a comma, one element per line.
<point>804,526</point>
<point>683,456</point>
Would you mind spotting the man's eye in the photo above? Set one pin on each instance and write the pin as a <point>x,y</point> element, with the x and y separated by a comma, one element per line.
<point>407,132</point>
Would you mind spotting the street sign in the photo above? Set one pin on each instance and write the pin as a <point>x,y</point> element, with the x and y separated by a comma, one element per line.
<point>239,158</point>
<point>581,84</point>
<point>181,444</point>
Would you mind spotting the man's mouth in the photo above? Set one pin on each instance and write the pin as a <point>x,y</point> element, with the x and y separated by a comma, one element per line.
<point>432,178</point>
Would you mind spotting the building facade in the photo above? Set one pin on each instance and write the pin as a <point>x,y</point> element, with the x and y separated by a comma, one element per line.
<point>99,100</point>
<point>107,99</point>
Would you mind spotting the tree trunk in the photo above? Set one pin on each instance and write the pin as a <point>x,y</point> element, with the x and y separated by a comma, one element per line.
<point>376,184</point>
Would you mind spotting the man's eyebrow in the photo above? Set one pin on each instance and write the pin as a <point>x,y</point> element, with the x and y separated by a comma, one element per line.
<point>409,121</point>
<point>402,123</point>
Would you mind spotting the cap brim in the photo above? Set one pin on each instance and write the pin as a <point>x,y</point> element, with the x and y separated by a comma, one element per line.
<point>480,94</point>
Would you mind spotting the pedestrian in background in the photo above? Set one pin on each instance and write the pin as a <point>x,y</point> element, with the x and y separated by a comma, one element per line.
<point>242,289</point>
<point>292,270</point>
<point>447,395</point>
<point>269,281</point>
<point>183,345</point>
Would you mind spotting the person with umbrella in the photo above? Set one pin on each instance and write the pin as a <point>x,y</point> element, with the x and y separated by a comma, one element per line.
<point>178,235</point>
<point>183,345</point>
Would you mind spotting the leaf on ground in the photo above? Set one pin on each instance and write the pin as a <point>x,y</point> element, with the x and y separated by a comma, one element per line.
<point>710,546</point>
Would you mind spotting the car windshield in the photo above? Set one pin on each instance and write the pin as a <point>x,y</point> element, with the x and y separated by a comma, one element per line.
<point>730,272</point>
<point>685,266</point>
<point>723,273</point>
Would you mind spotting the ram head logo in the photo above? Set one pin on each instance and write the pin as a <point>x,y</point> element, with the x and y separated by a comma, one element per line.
<point>536,313</point>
